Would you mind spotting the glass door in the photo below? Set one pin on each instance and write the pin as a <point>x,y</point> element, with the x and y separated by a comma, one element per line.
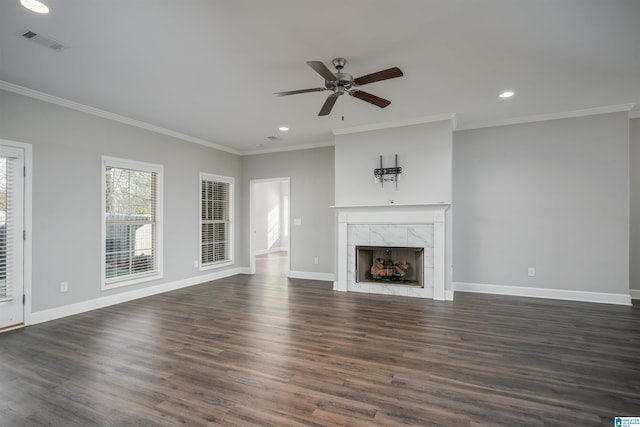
<point>11,236</point>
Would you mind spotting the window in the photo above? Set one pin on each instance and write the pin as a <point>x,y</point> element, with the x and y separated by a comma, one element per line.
<point>132,227</point>
<point>216,221</point>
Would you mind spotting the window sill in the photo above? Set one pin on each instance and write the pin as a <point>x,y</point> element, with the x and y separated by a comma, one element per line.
<point>106,286</point>
<point>216,265</point>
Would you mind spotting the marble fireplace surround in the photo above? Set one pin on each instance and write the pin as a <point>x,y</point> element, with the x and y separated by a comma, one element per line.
<point>393,225</point>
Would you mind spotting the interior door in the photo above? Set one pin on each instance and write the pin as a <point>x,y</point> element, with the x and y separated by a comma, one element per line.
<point>11,236</point>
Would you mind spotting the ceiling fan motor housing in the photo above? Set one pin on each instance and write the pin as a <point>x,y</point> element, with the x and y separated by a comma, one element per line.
<point>343,80</point>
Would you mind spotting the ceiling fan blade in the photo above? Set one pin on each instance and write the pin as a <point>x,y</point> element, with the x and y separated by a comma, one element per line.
<point>390,73</point>
<point>295,92</point>
<point>322,69</point>
<point>328,104</point>
<point>372,99</point>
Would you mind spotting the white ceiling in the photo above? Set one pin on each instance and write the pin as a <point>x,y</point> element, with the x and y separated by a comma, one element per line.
<point>208,68</point>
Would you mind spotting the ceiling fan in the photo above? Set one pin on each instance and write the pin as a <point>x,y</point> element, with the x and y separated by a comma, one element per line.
<point>341,83</point>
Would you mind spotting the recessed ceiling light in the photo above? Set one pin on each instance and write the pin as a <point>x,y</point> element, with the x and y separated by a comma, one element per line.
<point>507,94</point>
<point>283,129</point>
<point>35,6</point>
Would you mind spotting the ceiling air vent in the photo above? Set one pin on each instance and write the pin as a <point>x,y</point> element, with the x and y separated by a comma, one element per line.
<point>44,41</point>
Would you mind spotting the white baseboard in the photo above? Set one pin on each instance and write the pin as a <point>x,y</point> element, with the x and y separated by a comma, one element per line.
<point>599,297</point>
<point>309,275</point>
<point>635,293</point>
<point>81,307</point>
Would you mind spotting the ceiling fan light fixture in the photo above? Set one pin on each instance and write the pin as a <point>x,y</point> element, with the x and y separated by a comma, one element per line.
<point>507,94</point>
<point>283,129</point>
<point>35,6</point>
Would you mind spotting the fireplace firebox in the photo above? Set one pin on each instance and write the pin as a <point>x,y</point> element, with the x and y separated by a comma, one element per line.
<point>390,265</point>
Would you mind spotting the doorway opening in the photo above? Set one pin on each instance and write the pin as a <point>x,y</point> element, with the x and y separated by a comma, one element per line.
<point>269,226</point>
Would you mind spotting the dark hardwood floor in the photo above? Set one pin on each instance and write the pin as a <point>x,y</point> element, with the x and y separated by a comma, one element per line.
<point>260,350</point>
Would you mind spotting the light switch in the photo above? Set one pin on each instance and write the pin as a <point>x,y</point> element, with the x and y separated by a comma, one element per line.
<point>297,221</point>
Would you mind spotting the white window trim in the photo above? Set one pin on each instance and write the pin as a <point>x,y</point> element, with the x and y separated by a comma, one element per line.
<point>141,166</point>
<point>231,181</point>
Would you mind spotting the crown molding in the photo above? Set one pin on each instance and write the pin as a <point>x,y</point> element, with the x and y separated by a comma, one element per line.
<point>456,125</point>
<point>20,90</point>
<point>396,124</point>
<point>454,122</point>
<point>289,148</point>
<point>545,117</point>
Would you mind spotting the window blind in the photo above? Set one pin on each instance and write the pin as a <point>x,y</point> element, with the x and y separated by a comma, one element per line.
<point>131,223</point>
<point>215,221</point>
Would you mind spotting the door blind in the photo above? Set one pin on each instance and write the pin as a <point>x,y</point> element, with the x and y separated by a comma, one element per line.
<point>7,279</point>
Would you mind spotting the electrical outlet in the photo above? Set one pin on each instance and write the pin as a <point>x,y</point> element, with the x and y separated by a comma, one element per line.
<point>64,286</point>
<point>195,264</point>
<point>531,271</point>
<point>315,260</point>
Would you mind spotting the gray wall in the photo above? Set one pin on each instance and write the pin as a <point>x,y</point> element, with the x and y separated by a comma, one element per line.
<point>312,180</point>
<point>551,195</point>
<point>424,153</point>
<point>634,235</point>
<point>67,150</point>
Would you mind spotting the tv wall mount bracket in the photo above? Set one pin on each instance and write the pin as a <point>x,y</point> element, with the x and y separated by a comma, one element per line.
<point>382,174</point>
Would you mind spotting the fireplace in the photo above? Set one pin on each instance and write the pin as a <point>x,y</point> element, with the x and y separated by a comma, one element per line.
<point>412,228</point>
<point>391,265</point>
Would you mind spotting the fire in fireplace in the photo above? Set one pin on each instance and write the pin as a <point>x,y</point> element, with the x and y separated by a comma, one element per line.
<point>390,265</point>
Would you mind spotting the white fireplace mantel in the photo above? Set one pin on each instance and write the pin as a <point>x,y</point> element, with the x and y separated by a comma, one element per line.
<point>355,222</point>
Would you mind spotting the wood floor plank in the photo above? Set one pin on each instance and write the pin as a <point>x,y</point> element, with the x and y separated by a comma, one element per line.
<point>267,350</point>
